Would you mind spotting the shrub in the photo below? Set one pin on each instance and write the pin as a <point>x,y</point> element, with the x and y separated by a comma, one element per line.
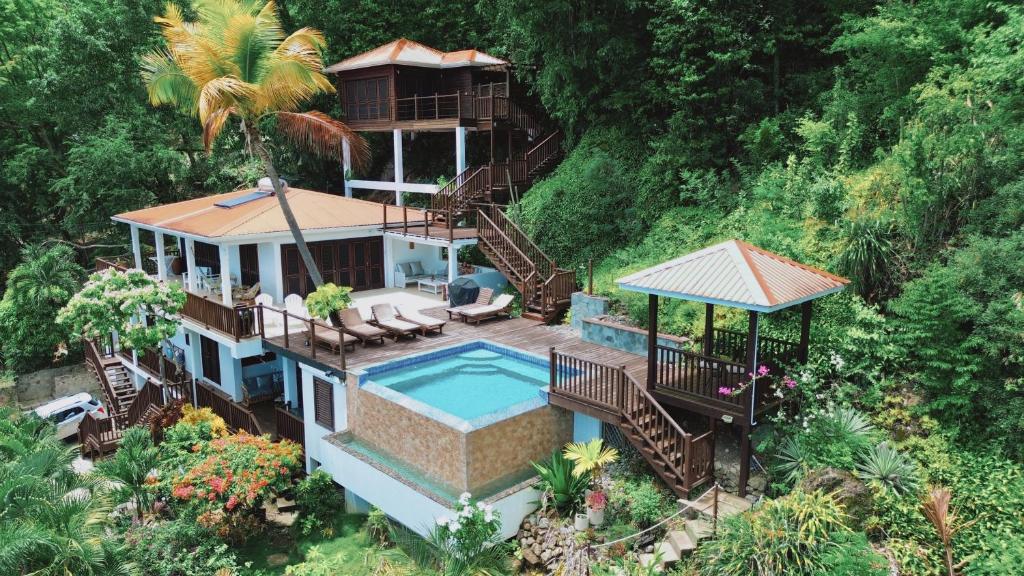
<point>645,503</point>
<point>179,548</point>
<point>889,468</point>
<point>831,438</point>
<point>318,500</point>
<point>852,555</point>
<point>790,535</point>
<point>328,299</point>
<point>559,485</point>
<point>469,543</point>
<point>197,416</point>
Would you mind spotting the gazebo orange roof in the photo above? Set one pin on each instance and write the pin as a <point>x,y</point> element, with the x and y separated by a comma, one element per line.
<point>313,210</point>
<point>735,273</point>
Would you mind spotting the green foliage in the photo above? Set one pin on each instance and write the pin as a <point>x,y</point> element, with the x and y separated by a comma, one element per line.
<point>142,311</point>
<point>55,521</point>
<point>559,486</point>
<point>795,534</point>
<point>852,555</point>
<point>889,468</point>
<point>318,499</point>
<point>131,468</point>
<point>590,457</point>
<point>834,437</point>
<point>179,548</point>
<point>328,299</point>
<point>37,288</point>
<point>468,543</point>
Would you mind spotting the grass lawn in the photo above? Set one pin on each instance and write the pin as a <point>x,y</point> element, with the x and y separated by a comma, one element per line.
<point>348,541</point>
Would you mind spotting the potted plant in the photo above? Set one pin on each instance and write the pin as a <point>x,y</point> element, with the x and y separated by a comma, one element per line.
<point>581,522</point>
<point>590,458</point>
<point>328,300</point>
<point>596,503</point>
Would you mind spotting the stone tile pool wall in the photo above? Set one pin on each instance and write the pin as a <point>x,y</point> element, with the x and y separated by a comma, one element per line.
<point>507,447</point>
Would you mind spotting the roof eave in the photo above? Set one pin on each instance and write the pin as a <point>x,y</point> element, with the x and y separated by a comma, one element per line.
<point>729,303</point>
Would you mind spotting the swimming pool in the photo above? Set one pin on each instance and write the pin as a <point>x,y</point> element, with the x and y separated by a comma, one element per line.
<point>476,382</point>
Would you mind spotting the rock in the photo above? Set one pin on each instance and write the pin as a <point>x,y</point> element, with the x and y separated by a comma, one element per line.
<point>757,483</point>
<point>853,494</point>
<point>545,556</point>
<point>531,557</point>
<point>277,560</point>
<point>543,523</point>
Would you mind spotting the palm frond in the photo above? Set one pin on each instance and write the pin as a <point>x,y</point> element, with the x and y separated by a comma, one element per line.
<point>167,83</point>
<point>322,135</point>
<point>214,124</point>
<point>223,92</point>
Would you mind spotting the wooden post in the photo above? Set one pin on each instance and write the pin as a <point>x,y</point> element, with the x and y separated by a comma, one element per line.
<point>405,220</point>
<point>652,341</point>
<point>709,329</point>
<point>714,511</point>
<point>751,404</point>
<point>553,366</point>
<point>590,277</point>
<point>284,315</point>
<point>805,332</point>
<point>312,338</point>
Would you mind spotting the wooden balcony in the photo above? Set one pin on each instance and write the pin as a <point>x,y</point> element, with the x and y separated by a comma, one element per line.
<point>237,321</point>
<point>477,108</point>
<point>236,416</point>
<point>289,426</point>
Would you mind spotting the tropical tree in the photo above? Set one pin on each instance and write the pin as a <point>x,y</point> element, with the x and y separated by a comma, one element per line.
<point>235,61</point>
<point>131,468</point>
<point>142,311</point>
<point>590,457</point>
<point>37,288</point>
<point>53,521</point>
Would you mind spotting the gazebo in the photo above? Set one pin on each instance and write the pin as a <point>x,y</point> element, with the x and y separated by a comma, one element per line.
<point>718,381</point>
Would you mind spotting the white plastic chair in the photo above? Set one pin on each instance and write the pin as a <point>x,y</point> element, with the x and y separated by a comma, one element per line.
<point>271,319</point>
<point>293,304</point>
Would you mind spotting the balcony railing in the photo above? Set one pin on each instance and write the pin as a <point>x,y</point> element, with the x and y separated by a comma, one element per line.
<point>290,426</point>
<point>236,321</point>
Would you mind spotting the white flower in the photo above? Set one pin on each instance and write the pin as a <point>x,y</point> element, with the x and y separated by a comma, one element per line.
<point>488,516</point>
<point>442,521</point>
<point>466,512</point>
<point>481,505</point>
<point>454,526</point>
<point>488,508</point>
<point>464,498</point>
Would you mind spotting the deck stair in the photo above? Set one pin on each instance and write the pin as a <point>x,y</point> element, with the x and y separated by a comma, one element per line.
<point>683,460</point>
<point>546,288</point>
<point>676,545</point>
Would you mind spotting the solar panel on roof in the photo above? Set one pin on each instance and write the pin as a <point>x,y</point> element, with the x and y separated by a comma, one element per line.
<point>243,199</point>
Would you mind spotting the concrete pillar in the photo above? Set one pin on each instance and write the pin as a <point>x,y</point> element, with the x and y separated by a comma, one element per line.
<point>161,257</point>
<point>399,169</point>
<point>585,428</point>
<point>190,265</point>
<point>460,150</point>
<point>346,166</point>
<point>453,262</point>
<point>136,247</point>
<point>225,274</point>
<point>291,384</point>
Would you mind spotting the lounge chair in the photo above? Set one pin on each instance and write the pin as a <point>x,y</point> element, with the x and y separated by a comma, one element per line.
<point>352,323</point>
<point>482,299</point>
<point>502,306</point>
<point>384,317</point>
<point>426,323</point>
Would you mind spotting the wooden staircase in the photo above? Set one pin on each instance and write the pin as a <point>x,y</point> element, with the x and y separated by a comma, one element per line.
<point>683,460</point>
<point>546,288</point>
<point>479,184</point>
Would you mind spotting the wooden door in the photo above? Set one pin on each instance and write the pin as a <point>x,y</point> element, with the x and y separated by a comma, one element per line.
<point>209,351</point>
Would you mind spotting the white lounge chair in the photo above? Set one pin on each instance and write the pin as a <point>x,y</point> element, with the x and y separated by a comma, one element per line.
<point>502,306</point>
<point>384,317</point>
<point>426,323</point>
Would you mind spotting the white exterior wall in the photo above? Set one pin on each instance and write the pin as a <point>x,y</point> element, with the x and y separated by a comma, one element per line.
<point>397,251</point>
<point>315,432</point>
<point>270,270</point>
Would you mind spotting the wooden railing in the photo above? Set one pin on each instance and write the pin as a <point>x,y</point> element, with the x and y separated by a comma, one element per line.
<point>610,388</point>
<point>235,415</point>
<point>435,107</point>
<point>467,188</point>
<point>235,321</point>
<point>704,376</point>
<point>100,435</point>
<point>289,426</point>
<point>511,258</point>
<point>544,150</point>
<point>150,395</point>
<point>306,340</point>
<point>105,263</point>
<point>557,290</point>
<point>732,344</point>
<point>95,359</point>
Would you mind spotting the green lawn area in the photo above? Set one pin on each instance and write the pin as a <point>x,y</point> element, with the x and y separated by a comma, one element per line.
<point>348,541</point>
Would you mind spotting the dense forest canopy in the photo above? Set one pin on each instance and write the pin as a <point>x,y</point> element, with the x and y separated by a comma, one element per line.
<point>882,140</point>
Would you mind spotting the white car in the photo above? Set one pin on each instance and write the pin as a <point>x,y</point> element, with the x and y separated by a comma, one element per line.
<point>67,413</point>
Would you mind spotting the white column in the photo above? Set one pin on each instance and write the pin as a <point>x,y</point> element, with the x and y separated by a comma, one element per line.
<point>161,257</point>
<point>291,386</point>
<point>453,262</point>
<point>136,247</point>
<point>225,274</point>
<point>460,150</point>
<point>346,166</point>
<point>190,264</point>
<point>399,169</point>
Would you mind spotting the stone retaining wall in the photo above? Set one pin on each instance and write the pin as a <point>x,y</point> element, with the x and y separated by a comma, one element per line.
<point>42,386</point>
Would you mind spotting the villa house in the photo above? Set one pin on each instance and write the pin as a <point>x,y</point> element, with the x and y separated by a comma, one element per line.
<point>407,425</point>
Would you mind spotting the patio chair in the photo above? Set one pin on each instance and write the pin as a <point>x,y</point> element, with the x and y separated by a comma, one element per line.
<point>296,310</point>
<point>271,317</point>
<point>426,323</point>
<point>501,307</point>
<point>384,317</point>
<point>331,338</point>
<point>352,323</point>
<point>482,299</point>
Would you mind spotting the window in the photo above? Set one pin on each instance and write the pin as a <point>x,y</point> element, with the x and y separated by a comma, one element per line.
<point>209,350</point>
<point>249,262</point>
<point>323,403</point>
<point>367,99</point>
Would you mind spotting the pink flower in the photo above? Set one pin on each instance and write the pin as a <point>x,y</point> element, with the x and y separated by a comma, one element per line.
<point>789,382</point>
<point>762,370</point>
<point>232,502</point>
<point>725,391</point>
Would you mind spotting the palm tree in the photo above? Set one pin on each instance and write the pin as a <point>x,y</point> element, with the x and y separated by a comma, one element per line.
<point>46,277</point>
<point>130,468</point>
<point>590,458</point>
<point>235,61</point>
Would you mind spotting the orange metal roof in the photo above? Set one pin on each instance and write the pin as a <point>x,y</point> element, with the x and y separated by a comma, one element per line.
<point>409,53</point>
<point>737,274</point>
<point>313,210</point>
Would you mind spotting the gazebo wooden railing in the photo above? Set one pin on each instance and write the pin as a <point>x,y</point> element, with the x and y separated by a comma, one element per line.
<point>685,372</point>
<point>682,459</point>
<point>732,344</point>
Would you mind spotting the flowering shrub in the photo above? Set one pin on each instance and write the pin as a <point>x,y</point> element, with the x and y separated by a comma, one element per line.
<point>468,542</point>
<point>762,371</point>
<point>198,416</point>
<point>597,500</point>
<point>234,474</point>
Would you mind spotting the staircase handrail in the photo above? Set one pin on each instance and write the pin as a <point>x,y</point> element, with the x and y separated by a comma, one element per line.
<point>150,395</point>
<point>92,357</point>
<point>482,220</point>
<point>541,149</point>
<point>547,265</point>
<point>553,288</point>
<point>447,198</point>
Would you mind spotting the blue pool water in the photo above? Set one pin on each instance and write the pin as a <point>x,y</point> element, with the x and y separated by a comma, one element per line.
<point>469,381</point>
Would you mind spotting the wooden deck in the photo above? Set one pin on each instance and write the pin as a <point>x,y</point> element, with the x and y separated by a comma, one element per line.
<point>441,233</point>
<point>527,335</point>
